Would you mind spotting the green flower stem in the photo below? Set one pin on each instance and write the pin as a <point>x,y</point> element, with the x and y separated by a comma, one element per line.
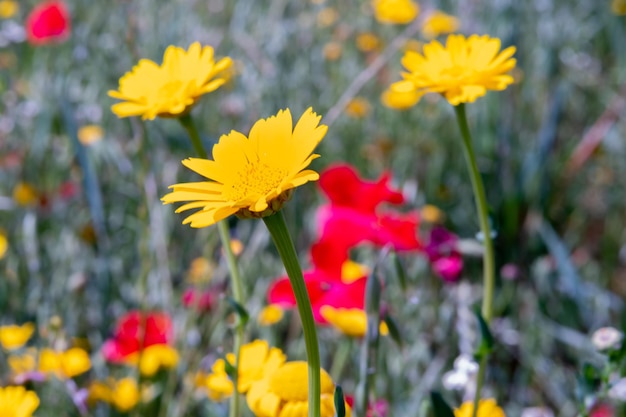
<point>192,131</point>
<point>280,235</point>
<point>488,255</point>
<point>237,284</point>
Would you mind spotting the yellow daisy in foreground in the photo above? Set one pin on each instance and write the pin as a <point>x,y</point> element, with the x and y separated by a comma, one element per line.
<point>486,408</point>
<point>462,71</point>
<point>251,176</point>
<point>395,11</point>
<point>169,90</point>
<point>256,360</point>
<point>17,402</point>
<point>284,393</point>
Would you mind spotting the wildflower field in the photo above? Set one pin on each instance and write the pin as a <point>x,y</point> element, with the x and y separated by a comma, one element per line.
<point>312,208</point>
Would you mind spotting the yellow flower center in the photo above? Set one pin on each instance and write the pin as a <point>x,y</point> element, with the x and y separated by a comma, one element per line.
<point>256,179</point>
<point>290,382</point>
<point>170,89</point>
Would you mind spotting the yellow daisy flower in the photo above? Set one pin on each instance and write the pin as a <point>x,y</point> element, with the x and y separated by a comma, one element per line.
<point>17,402</point>
<point>8,9</point>
<point>462,71</point>
<point>350,321</point>
<point>4,244</point>
<point>123,394</point>
<point>155,357</point>
<point>439,23</point>
<point>368,42</point>
<point>358,108</point>
<point>400,100</point>
<point>270,314</point>
<point>486,408</point>
<point>169,90</point>
<point>14,337</point>
<point>618,7</point>
<point>256,360</point>
<point>90,134</point>
<point>285,393</point>
<point>68,364</point>
<point>395,11</point>
<point>251,176</point>
<point>24,194</point>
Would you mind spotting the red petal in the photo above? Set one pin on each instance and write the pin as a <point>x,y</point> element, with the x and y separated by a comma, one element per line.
<point>345,188</point>
<point>47,22</point>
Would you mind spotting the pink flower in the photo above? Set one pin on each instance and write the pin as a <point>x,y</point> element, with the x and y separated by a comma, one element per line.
<point>602,410</point>
<point>48,22</point>
<point>446,261</point>
<point>203,301</point>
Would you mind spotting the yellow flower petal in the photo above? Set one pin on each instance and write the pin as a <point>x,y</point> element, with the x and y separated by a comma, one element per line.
<point>17,402</point>
<point>395,11</point>
<point>486,408</point>
<point>14,337</point>
<point>125,394</point>
<point>271,314</point>
<point>439,23</point>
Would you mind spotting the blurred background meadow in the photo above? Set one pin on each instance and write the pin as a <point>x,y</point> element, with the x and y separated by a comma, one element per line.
<point>85,238</point>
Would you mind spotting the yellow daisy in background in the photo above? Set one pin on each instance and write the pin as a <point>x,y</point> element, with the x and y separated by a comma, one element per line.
<point>8,9</point>
<point>395,11</point>
<point>358,108</point>
<point>486,408</point>
<point>368,42</point>
<point>332,51</point>
<point>439,23</point>
<point>462,71</point>
<point>270,314</point>
<point>123,394</point>
<point>400,100</point>
<point>14,337</point>
<point>349,321</point>
<point>618,7</point>
<point>90,134</point>
<point>4,244</point>
<point>251,176</point>
<point>24,194</point>
<point>17,402</point>
<point>169,90</point>
<point>285,393</point>
<point>153,358</point>
<point>67,364</point>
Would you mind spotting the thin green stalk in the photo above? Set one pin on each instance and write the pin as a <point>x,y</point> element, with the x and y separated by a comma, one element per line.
<point>280,235</point>
<point>192,131</point>
<point>237,284</point>
<point>488,255</point>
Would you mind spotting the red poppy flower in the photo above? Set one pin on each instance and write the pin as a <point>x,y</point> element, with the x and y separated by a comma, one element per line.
<point>345,188</point>
<point>48,22</point>
<point>352,215</point>
<point>136,331</point>
<point>322,292</point>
